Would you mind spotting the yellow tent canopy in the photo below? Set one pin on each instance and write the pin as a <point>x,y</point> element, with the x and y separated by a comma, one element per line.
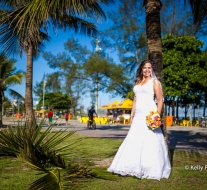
<point>126,104</point>
<point>112,105</point>
<point>41,111</point>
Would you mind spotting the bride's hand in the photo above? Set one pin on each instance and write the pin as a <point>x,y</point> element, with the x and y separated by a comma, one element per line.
<point>131,119</point>
<point>130,123</point>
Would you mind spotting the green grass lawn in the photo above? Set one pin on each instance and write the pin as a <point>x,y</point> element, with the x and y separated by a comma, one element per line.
<point>98,153</point>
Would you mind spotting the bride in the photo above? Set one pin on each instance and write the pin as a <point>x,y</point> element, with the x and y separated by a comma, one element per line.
<point>144,152</point>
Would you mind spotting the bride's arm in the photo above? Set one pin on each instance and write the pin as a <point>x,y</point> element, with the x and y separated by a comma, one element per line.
<point>133,109</point>
<point>159,95</point>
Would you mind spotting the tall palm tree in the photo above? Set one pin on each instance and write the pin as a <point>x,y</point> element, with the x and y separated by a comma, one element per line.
<point>154,41</point>
<point>24,27</point>
<point>153,31</point>
<point>8,76</point>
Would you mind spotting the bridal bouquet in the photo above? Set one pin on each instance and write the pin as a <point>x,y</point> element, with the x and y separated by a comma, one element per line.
<point>153,120</point>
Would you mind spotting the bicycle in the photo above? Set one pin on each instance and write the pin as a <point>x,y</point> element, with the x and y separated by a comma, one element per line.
<point>91,124</point>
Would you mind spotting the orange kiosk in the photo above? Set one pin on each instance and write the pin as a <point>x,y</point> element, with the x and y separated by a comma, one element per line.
<point>169,121</point>
<point>17,116</point>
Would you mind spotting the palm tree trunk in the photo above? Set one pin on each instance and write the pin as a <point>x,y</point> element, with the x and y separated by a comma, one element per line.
<point>194,108</point>
<point>186,111</point>
<point>204,106</point>
<point>1,97</point>
<point>154,42</point>
<point>177,115</point>
<point>173,107</point>
<point>28,94</point>
<point>153,30</point>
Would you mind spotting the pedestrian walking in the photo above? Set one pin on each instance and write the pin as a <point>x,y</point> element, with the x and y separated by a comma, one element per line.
<point>66,118</point>
<point>50,116</point>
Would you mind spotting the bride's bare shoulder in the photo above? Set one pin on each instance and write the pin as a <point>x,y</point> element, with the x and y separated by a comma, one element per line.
<point>156,81</point>
<point>157,84</point>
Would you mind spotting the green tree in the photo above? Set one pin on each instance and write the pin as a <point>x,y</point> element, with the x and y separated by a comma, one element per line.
<point>8,76</point>
<point>109,76</point>
<point>24,26</point>
<point>68,66</point>
<point>185,68</point>
<point>79,68</point>
<point>56,100</point>
<point>53,84</point>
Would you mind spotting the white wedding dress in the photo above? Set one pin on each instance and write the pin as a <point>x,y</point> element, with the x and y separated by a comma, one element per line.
<point>143,152</point>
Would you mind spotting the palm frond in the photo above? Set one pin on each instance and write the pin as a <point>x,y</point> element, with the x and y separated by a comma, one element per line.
<point>16,78</point>
<point>26,23</point>
<point>199,10</point>
<point>78,174</point>
<point>42,151</point>
<point>15,37</point>
<point>14,94</point>
<point>49,181</point>
<point>9,38</point>
<point>7,66</point>
<point>44,9</point>
<point>36,146</point>
<point>76,24</point>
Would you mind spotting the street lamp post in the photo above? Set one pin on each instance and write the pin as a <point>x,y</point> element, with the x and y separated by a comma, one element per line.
<point>96,80</point>
<point>36,104</point>
<point>18,106</point>
<point>43,102</point>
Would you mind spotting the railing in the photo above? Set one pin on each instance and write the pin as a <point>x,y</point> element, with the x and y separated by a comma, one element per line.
<point>188,123</point>
<point>104,120</point>
<point>98,120</point>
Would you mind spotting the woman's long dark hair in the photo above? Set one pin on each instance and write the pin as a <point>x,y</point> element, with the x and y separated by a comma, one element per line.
<point>139,74</point>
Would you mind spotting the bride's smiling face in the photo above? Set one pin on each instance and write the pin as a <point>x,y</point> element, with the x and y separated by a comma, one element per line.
<point>147,70</point>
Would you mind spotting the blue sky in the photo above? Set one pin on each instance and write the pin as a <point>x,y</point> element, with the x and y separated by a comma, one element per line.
<point>55,46</point>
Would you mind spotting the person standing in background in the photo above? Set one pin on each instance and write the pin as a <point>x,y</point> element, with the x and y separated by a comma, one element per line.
<point>115,115</point>
<point>50,116</point>
<point>66,117</point>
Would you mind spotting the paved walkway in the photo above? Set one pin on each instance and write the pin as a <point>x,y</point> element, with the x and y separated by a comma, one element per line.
<point>184,138</point>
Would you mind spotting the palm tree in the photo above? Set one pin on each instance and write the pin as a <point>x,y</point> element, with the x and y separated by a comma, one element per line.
<point>154,42</point>
<point>24,27</point>
<point>8,76</point>
<point>153,31</point>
